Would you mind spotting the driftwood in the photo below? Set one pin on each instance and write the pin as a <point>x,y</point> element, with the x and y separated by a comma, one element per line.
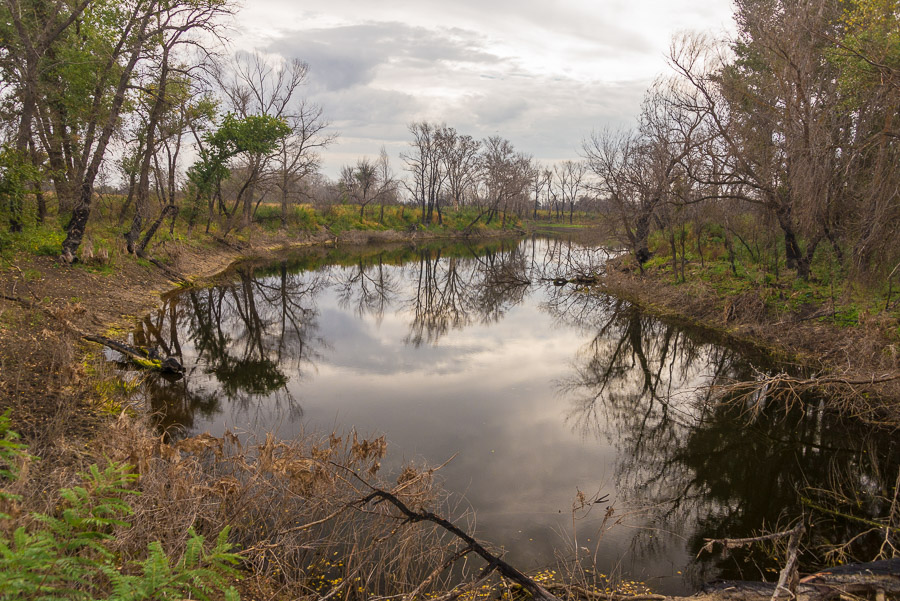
<point>878,579</point>
<point>147,358</point>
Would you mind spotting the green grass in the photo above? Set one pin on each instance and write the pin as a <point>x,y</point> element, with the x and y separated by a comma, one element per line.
<point>828,291</point>
<point>36,239</point>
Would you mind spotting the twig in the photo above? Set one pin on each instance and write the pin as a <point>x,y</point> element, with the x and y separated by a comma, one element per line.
<point>737,543</point>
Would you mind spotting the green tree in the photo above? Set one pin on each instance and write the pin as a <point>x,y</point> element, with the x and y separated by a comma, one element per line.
<point>252,135</point>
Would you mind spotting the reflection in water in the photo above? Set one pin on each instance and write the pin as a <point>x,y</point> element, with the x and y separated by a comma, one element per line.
<point>246,336</point>
<point>703,466</point>
<point>542,390</point>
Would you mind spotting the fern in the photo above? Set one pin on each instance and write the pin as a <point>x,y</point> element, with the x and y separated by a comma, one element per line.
<point>66,555</point>
<point>198,573</point>
<point>11,453</point>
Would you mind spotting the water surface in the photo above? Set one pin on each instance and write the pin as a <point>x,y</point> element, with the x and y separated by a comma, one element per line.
<point>540,393</point>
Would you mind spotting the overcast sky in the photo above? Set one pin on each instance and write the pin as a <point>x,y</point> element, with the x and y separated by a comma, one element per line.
<point>542,74</point>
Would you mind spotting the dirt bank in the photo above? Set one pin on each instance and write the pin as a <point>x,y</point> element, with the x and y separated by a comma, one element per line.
<point>860,364</point>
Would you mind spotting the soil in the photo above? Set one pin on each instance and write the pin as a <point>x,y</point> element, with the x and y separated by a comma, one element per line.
<point>857,355</point>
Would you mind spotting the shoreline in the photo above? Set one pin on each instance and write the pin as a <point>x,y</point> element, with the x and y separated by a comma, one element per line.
<point>139,288</point>
<point>857,365</point>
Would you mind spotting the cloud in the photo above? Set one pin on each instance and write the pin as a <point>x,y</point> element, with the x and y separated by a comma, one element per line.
<point>347,56</point>
<point>544,77</point>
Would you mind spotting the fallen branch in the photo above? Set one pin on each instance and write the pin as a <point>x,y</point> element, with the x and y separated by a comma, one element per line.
<point>144,358</point>
<point>538,592</point>
<point>579,280</point>
<point>736,543</point>
<point>849,393</point>
<point>789,576</point>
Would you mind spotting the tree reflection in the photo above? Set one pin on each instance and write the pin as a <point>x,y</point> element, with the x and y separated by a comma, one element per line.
<point>450,292</point>
<point>704,468</point>
<point>245,335</point>
<point>369,288</point>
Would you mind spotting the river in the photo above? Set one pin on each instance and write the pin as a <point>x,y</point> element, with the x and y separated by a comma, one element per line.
<point>539,393</point>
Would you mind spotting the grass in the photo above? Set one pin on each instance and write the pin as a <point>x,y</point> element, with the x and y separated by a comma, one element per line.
<point>36,239</point>
<point>103,246</point>
<point>828,295</point>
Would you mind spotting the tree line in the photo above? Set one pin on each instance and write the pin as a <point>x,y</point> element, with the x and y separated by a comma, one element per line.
<point>143,93</point>
<point>780,140</point>
<point>784,137</point>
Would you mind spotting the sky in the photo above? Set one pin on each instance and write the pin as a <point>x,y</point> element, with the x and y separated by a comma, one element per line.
<point>541,74</point>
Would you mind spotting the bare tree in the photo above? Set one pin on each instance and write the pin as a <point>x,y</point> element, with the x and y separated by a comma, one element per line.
<point>426,167</point>
<point>360,183</point>
<point>570,183</point>
<point>505,176</point>
<point>299,156</point>
<point>255,84</point>
<point>459,154</point>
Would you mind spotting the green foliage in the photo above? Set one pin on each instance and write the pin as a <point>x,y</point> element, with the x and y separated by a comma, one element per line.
<point>67,554</point>
<point>255,135</point>
<point>41,240</point>
<point>869,48</point>
<point>11,453</point>
<point>16,173</point>
<point>198,573</point>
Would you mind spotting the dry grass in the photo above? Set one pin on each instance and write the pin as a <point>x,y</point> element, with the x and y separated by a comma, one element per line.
<point>292,507</point>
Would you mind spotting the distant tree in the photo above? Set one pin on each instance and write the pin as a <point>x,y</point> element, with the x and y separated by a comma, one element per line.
<point>425,165</point>
<point>505,176</point>
<point>459,155</point>
<point>570,177</point>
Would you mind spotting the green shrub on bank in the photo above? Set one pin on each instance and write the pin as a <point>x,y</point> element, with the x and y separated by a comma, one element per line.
<point>67,555</point>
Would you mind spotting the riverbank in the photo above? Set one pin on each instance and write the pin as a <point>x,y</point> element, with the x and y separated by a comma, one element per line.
<point>856,364</point>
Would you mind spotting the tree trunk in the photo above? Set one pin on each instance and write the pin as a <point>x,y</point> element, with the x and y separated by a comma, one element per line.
<point>168,209</point>
<point>143,192</point>
<point>82,211</point>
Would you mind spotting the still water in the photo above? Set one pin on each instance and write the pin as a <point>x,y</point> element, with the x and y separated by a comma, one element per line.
<point>538,392</point>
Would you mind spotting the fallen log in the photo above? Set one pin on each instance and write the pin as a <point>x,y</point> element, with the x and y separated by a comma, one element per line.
<point>878,580</point>
<point>146,358</point>
<point>149,358</point>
